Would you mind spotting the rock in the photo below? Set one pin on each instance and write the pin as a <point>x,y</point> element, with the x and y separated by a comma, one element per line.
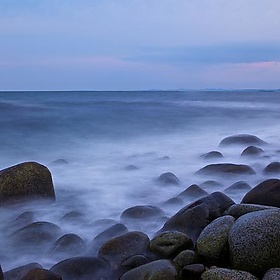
<point>242,139</point>
<point>254,242</point>
<point>141,212</point>
<point>193,191</point>
<point>238,187</point>
<point>135,261</point>
<point>156,270</point>
<point>174,201</point>
<point>238,210</point>
<point>35,235</point>
<point>83,268</point>
<point>272,274</point>
<point>224,274</point>
<point>170,243</point>
<point>213,155</point>
<point>211,184</point>
<point>265,193</point>
<point>273,167</point>
<point>59,162</point>
<point>193,218</point>
<point>41,274</point>
<point>29,180</point>
<point>124,246</point>
<point>192,271</point>
<point>252,151</point>
<point>131,167</point>
<point>168,178</point>
<point>212,243</point>
<point>73,216</point>
<point>19,272</point>
<point>164,158</point>
<point>69,244</point>
<point>1,273</point>
<point>184,258</point>
<point>226,169</point>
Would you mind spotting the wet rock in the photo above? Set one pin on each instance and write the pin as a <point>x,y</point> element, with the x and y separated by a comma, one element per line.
<point>141,212</point>
<point>224,273</point>
<point>265,193</point>
<point>226,169</point>
<point>29,180</point>
<point>41,274</point>
<point>170,243</point>
<point>70,244</point>
<point>175,201</point>
<point>213,155</point>
<point>184,258</point>
<point>192,271</point>
<point>254,242</point>
<point>83,268</point>
<point>272,274</point>
<point>193,191</point>
<point>35,235</point>
<point>211,184</point>
<point>19,272</point>
<point>240,186</point>
<point>135,261</point>
<point>73,216</point>
<point>252,151</point>
<point>124,246</point>
<point>212,243</point>
<point>238,210</point>
<point>273,167</point>
<point>242,139</point>
<point>131,167</point>
<point>193,218</point>
<point>168,178</point>
<point>156,270</point>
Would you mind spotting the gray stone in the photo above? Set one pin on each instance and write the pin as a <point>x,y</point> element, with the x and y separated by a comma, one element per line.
<point>168,178</point>
<point>213,155</point>
<point>141,212</point>
<point>273,167</point>
<point>254,242</point>
<point>252,151</point>
<point>41,274</point>
<point>193,191</point>
<point>226,274</point>
<point>242,139</point>
<point>192,271</point>
<point>238,187</point>
<point>272,274</point>
<point>19,272</point>
<point>184,258</point>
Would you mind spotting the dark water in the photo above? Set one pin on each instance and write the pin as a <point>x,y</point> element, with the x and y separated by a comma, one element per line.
<point>100,133</point>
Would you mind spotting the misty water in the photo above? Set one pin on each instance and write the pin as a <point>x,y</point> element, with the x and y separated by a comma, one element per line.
<point>100,135</point>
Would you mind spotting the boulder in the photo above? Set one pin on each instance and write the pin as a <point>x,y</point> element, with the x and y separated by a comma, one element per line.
<point>254,242</point>
<point>192,271</point>
<point>252,151</point>
<point>213,155</point>
<point>273,167</point>
<point>19,272</point>
<point>193,218</point>
<point>193,191</point>
<point>170,243</point>
<point>41,274</point>
<point>211,184</point>
<point>242,139</point>
<point>141,212</point>
<point>218,273</point>
<point>131,167</point>
<point>240,186</point>
<point>156,270</point>
<point>184,258</point>
<point>226,169</point>
<point>28,180</point>
<point>265,193</point>
<point>212,243</point>
<point>168,178</point>
<point>272,274</point>
<point>135,261</point>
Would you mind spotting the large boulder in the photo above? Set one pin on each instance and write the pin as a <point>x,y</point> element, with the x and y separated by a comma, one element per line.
<point>242,139</point>
<point>273,167</point>
<point>238,187</point>
<point>41,274</point>
<point>28,180</point>
<point>141,212</point>
<point>19,272</point>
<point>193,218</point>
<point>254,242</point>
<point>265,193</point>
<point>193,191</point>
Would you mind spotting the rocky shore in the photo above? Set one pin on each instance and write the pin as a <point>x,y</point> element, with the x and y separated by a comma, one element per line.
<point>211,238</point>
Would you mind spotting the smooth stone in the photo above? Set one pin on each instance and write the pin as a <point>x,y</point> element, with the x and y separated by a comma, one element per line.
<point>83,268</point>
<point>212,243</point>
<point>184,258</point>
<point>272,274</point>
<point>254,242</point>
<point>252,151</point>
<point>135,261</point>
<point>238,210</point>
<point>168,178</point>
<point>194,217</point>
<point>175,201</point>
<point>26,181</point>
<point>273,167</point>
<point>193,191</point>
<point>213,155</point>
<point>226,168</point>
<point>266,193</point>
<point>156,270</point>
<point>242,139</point>
<point>224,274</point>
<point>41,274</point>
<point>141,212</point>
<point>238,187</point>
<point>192,271</point>
<point>131,167</point>
<point>211,184</point>
<point>170,243</point>
<point>19,272</point>
<point>73,216</point>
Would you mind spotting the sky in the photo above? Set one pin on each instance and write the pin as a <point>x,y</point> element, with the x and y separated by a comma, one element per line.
<point>139,44</point>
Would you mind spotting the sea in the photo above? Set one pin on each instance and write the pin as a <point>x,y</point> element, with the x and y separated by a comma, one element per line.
<point>105,151</point>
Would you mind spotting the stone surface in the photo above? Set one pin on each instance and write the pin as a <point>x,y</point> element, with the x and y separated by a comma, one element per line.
<point>192,271</point>
<point>141,212</point>
<point>242,139</point>
<point>184,258</point>
<point>156,270</point>
<point>28,180</point>
<point>272,274</point>
<point>213,155</point>
<point>252,151</point>
<point>240,186</point>
<point>254,242</point>
<point>265,193</point>
<point>170,243</point>
<point>273,167</point>
<point>193,191</point>
<point>168,178</point>
<point>212,243</point>
<point>19,272</point>
<point>135,261</point>
<point>226,274</point>
<point>41,274</point>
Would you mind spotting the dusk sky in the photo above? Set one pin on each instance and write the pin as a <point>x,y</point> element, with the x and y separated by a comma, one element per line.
<point>139,44</point>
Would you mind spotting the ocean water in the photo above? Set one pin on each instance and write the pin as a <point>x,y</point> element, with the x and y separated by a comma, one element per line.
<point>100,134</point>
